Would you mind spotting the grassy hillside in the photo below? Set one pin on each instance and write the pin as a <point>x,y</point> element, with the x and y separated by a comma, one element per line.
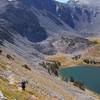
<point>37,85</point>
<point>41,86</point>
<point>64,59</point>
<point>91,53</point>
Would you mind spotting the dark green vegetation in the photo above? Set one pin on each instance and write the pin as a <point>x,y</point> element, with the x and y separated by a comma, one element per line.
<point>89,61</point>
<point>88,75</point>
<point>51,66</point>
<point>75,83</point>
<point>79,84</point>
<point>26,67</point>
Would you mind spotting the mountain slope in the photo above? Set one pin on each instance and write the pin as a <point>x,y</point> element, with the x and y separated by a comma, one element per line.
<point>41,85</point>
<point>83,16</point>
<point>35,29</point>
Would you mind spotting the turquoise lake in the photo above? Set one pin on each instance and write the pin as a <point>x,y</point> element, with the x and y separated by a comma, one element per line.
<point>90,76</point>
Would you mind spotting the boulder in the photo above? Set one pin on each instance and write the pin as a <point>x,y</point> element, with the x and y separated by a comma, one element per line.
<point>2,97</point>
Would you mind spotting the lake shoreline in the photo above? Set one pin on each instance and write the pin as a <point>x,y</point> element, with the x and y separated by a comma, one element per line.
<point>86,74</point>
<point>74,65</point>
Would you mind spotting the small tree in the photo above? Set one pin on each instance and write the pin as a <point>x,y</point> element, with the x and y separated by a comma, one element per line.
<point>1,52</point>
<point>80,85</point>
<point>86,61</point>
<point>43,65</point>
<point>71,79</point>
<point>49,71</point>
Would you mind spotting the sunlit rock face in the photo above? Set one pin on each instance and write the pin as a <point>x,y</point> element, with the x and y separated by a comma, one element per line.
<point>88,2</point>
<point>76,15</point>
<point>82,15</point>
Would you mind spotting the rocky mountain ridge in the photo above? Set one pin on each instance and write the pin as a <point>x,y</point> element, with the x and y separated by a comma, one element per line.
<point>34,28</point>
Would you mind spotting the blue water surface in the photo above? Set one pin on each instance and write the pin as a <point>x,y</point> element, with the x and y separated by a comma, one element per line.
<point>90,76</point>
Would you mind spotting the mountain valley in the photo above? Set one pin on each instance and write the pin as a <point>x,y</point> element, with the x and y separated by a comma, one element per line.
<point>36,31</point>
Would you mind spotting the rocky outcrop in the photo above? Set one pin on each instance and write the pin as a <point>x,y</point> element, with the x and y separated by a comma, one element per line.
<point>2,97</point>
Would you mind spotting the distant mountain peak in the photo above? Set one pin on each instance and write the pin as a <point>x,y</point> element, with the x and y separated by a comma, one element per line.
<point>86,2</point>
